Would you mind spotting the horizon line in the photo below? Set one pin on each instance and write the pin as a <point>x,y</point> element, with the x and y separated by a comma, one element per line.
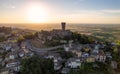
<point>59,23</point>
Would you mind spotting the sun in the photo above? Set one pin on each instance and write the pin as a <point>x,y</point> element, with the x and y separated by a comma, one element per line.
<point>36,14</point>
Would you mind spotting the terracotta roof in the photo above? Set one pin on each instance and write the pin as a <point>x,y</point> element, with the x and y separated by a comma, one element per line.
<point>101,52</point>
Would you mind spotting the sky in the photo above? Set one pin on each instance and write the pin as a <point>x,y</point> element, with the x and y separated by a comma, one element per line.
<point>55,11</point>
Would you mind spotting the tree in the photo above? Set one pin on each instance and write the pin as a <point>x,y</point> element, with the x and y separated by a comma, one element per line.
<point>30,36</point>
<point>89,68</point>
<point>2,38</point>
<point>84,39</point>
<point>20,38</point>
<point>36,65</point>
<point>74,72</point>
<point>66,55</point>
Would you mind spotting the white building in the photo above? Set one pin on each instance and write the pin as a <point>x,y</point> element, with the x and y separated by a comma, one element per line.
<point>65,70</point>
<point>66,48</point>
<point>56,59</point>
<point>12,63</point>
<point>73,63</point>
<point>102,56</point>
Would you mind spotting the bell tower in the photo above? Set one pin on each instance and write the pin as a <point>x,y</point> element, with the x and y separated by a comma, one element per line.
<point>63,24</point>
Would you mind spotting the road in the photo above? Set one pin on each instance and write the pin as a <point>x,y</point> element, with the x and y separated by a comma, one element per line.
<point>34,49</point>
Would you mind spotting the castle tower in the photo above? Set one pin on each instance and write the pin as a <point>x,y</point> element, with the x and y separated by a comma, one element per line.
<point>63,24</point>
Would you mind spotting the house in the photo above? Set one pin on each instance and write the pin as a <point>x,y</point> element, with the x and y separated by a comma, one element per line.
<point>63,41</point>
<point>76,49</point>
<point>23,45</point>
<point>60,33</point>
<point>7,35</point>
<point>12,63</point>
<point>2,63</point>
<point>49,38</point>
<point>12,39</point>
<point>7,48</point>
<point>25,52</point>
<point>73,51</point>
<point>65,71</point>
<point>15,68</point>
<point>70,41</point>
<point>99,55</point>
<point>15,48</point>
<point>21,53</point>
<point>52,55</point>
<point>1,58</point>
<point>4,71</point>
<point>56,59</point>
<point>40,35</point>
<point>95,51</point>
<point>11,55</point>
<point>86,47</point>
<point>29,54</point>
<point>108,55</point>
<point>77,46</point>
<point>102,46</point>
<point>73,63</point>
<point>114,64</point>
<point>2,50</point>
<point>57,65</point>
<point>95,55</point>
<point>66,48</point>
<point>2,34</point>
<point>96,47</point>
<point>90,59</point>
<point>78,53</point>
<point>102,56</point>
<point>85,55</point>
<point>113,44</point>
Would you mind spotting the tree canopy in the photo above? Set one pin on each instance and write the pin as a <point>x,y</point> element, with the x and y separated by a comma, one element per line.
<point>36,65</point>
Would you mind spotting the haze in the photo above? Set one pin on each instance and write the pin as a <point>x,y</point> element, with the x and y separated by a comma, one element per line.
<point>55,11</point>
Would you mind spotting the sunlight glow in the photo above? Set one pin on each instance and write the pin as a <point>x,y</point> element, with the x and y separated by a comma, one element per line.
<point>36,14</point>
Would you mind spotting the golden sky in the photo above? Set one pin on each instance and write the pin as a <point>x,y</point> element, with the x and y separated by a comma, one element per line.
<point>55,11</point>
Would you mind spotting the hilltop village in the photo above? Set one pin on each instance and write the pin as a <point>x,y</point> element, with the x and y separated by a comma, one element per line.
<point>58,51</point>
